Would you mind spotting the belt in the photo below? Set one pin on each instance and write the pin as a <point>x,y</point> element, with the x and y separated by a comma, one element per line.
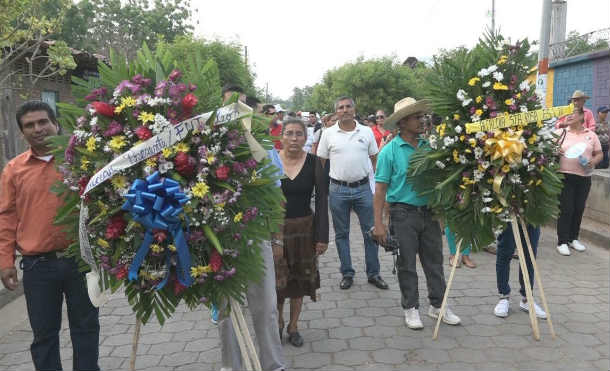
<point>352,184</point>
<point>419,209</point>
<point>57,254</point>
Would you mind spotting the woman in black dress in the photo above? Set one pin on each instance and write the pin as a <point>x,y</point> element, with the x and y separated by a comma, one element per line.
<point>305,232</point>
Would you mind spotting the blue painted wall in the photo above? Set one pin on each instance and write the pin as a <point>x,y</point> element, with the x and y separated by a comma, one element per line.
<point>570,77</point>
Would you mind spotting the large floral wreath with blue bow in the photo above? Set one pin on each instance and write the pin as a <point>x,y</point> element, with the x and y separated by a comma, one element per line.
<point>185,219</point>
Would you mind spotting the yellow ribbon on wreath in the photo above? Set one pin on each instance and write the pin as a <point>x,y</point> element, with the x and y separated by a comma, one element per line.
<point>506,145</point>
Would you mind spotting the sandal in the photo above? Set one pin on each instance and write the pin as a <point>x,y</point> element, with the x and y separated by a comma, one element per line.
<point>451,261</point>
<point>295,339</point>
<point>468,262</point>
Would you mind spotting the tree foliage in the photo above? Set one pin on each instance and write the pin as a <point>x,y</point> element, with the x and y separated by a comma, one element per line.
<point>580,44</point>
<point>97,26</point>
<point>227,56</point>
<point>373,84</point>
<point>24,27</point>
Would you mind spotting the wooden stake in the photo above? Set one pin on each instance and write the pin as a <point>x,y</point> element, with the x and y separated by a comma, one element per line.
<point>446,295</point>
<point>246,334</point>
<point>246,346</point>
<point>134,344</point>
<point>240,340</point>
<point>526,277</point>
<point>538,278</point>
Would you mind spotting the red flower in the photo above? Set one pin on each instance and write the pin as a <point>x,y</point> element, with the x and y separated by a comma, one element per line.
<point>222,172</point>
<point>215,261</point>
<point>115,228</point>
<point>178,287</point>
<point>103,109</point>
<point>184,164</point>
<point>122,273</point>
<point>82,184</point>
<point>160,236</point>
<point>189,101</point>
<point>143,132</point>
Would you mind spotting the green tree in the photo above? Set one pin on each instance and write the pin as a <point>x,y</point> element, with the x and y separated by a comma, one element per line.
<point>23,31</point>
<point>373,84</point>
<point>227,56</point>
<point>579,44</point>
<point>101,25</point>
<point>301,99</point>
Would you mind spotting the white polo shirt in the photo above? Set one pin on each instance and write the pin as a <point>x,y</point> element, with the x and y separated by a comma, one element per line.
<point>348,151</point>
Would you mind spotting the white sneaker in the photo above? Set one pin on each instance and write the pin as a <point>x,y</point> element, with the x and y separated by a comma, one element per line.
<point>576,245</point>
<point>412,319</point>
<point>563,249</point>
<point>449,317</point>
<point>526,308</point>
<point>501,309</point>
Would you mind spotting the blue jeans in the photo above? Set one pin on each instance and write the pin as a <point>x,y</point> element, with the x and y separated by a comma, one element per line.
<point>342,200</point>
<point>45,282</point>
<point>504,255</point>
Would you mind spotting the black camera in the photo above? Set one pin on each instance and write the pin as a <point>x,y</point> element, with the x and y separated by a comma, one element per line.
<point>390,244</point>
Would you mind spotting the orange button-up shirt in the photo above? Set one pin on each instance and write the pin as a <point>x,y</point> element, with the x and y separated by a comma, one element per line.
<point>27,209</point>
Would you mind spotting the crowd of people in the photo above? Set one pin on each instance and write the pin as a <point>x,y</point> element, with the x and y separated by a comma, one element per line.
<point>332,162</point>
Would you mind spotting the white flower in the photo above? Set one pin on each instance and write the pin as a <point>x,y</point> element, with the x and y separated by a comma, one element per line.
<point>485,107</point>
<point>486,84</point>
<point>475,118</point>
<point>440,164</point>
<point>157,101</point>
<point>466,102</point>
<point>525,85</point>
<point>164,167</point>
<point>525,162</point>
<point>447,141</point>
<point>498,76</point>
<point>478,175</point>
<point>515,178</point>
<point>486,210</point>
<point>478,152</point>
<point>479,135</point>
<point>458,129</point>
<point>531,167</point>
<point>483,72</point>
<point>461,95</point>
<point>463,159</point>
<point>107,148</point>
<point>485,164</point>
<point>93,121</point>
<point>492,68</point>
<point>160,124</point>
<point>487,199</point>
<point>523,108</point>
<point>486,192</point>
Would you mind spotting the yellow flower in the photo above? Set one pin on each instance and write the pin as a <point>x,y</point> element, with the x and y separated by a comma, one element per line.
<point>200,189</point>
<point>532,160</point>
<point>220,206</point>
<point>456,116</point>
<point>103,243</point>
<point>119,181</point>
<point>84,163</point>
<point>532,139</point>
<point>499,86</point>
<point>128,101</point>
<point>116,143</point>
<point>502,59</point>
<point>467,181</point>
<point>167,152</point>
<point>211,159</point>
<point>456,157</point>
<point>462,137</point>
<point>237,218</point>
<point>518,96</point>
<point>508,102</point>
<point>505,169</point>
<point>473,81</point>
<point>478,99</point>
<point>151,162</point>
<point>171,247</point>
<point>146,117</point>
<point>539,182</point>
<point>156,248</point>
<point>473,142</point>
<point>199,270</point>
<point>91,144</point>
<point>478,112</point>
<point>119,109</point>
<point>530,182</point>
<point>181,147</point>
<point>490,180</point>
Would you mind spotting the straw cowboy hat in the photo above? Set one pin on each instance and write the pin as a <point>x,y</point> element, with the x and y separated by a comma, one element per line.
<point>404,108</point>
<point>579,94</point>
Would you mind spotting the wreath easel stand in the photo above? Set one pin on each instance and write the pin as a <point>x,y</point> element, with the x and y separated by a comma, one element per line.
<point>526,280</point>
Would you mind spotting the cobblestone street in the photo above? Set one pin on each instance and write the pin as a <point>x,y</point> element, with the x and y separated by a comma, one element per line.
<point>363,328</point>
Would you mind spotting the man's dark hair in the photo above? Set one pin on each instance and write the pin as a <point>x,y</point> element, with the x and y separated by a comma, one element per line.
<point>252,102</point>
<point>33,106</point>
<point>266,107</point>
<point>232,87</point>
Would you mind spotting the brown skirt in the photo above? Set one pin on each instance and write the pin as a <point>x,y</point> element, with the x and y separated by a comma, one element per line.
<point>296,263</point>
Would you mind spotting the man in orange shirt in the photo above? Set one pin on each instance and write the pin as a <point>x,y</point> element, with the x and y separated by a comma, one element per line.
<point>578,99</point>
<point>27,210</point>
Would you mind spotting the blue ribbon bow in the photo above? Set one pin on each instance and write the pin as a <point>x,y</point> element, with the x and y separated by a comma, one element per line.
<point>156,204</point>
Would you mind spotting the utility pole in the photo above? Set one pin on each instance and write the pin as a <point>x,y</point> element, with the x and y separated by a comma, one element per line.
<point>267,92</point>
<point>543,52</point>
<point>493,16</point>
<point>558,29</point>
<point>246,55</point>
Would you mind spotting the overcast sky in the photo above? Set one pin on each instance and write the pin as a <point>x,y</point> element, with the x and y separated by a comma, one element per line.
<point>292,43</point>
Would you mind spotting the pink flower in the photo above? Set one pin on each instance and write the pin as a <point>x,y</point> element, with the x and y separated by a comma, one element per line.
<point>189,101</point>
<point>184,164</point>
<point>113,129</point>
<point>115,228</point>
<point>215,261</point>
<point>222,172</point>
<point>175,75</point>
<point>143,132</point>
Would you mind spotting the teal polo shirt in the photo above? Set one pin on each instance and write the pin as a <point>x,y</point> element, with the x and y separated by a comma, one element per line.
<point>392,165</point>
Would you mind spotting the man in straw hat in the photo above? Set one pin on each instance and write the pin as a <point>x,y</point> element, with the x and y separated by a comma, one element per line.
<point>578,100</point>
<point>416,229</point>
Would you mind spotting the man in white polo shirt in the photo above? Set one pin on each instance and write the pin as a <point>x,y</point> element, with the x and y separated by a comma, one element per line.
<point>351,147</point>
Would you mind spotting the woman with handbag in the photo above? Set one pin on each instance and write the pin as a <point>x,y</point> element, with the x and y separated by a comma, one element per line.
<point>580,152</point>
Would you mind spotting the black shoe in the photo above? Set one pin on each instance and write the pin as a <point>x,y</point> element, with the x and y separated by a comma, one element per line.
<point>346,282</point>
<point>295,339</point>
<point>378,282</point>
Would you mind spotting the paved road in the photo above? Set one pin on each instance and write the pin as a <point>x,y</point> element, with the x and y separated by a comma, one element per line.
<point>363,329</point>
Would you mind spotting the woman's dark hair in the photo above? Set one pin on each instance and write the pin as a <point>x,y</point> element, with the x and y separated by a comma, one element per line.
<point>33,106</point>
